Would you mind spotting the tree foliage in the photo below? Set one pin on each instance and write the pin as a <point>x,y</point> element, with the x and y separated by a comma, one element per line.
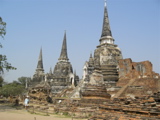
<point>14,88</point>
<point>2,28</point>
<point>1,81</point>
<point>22,80</point>
<point>3,59</point>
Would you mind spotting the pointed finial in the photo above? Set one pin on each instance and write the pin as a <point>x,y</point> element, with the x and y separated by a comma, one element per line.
<point>63,55</point>
<point>105,3</point>
<point>106,31</point>
<point>91,55</point>
<point>50,72</point>
<point>40,60</point>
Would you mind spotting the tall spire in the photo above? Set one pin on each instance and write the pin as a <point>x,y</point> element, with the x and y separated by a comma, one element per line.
<point>63,55</point>
<point>106,36</point>
<point>50,71</point>
<point>91,62</point>
<point>91,55</point>
<point>106,31</point>
<point>40,62</point>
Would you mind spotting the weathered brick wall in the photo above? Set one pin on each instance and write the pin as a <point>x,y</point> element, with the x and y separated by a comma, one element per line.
<point>146,81</point>
<point>130,69</point>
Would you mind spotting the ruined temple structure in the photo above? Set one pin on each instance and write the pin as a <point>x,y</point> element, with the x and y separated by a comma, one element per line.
<point>40,91</point>
<point>112,88</point>
<point>129,69</point>
<point>136,79</point>
<point>106,56</point>
<point>62,76</point>
<point>94,88</point>
<point>103,66</point>
<point>39,73</point>
<point>120,76</point>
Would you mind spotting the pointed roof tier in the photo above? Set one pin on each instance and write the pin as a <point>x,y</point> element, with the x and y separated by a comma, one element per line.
<point>106,31</point>
<point>106,36</point>
<point>39,69</point>
<point>40,61</point>
<point>91,61</point>
<point>50,71</point>
<point>63,55</point>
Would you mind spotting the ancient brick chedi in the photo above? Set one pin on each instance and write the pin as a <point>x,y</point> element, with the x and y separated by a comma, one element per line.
<point>63,75</point>
<point>94,88</point>
<point>106,55</point>
<point>39,73</point>
<point>111,88</point>
<point>118,75</point>
<point>104,63</point>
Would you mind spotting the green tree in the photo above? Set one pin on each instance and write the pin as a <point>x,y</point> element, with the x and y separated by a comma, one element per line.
<point>2,28</point>
<point>22,80</point>
<point>3,59</point>
<point>1,81</point>
<point>14,88</point>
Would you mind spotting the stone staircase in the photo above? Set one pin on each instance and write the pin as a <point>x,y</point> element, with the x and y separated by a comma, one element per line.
<point>119,93</point>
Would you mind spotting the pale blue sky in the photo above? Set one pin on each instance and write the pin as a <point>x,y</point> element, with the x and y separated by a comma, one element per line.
<point>32,24</point>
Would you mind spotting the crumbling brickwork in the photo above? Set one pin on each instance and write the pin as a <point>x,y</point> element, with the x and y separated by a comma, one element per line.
<point>138,78</point>
<point>130,69</point>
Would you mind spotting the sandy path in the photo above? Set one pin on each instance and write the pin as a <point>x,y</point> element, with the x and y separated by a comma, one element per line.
<point>24,115</point>
<point>9,113</point>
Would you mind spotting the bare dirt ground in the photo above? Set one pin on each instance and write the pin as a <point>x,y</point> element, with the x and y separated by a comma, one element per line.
<point>9,113</point>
